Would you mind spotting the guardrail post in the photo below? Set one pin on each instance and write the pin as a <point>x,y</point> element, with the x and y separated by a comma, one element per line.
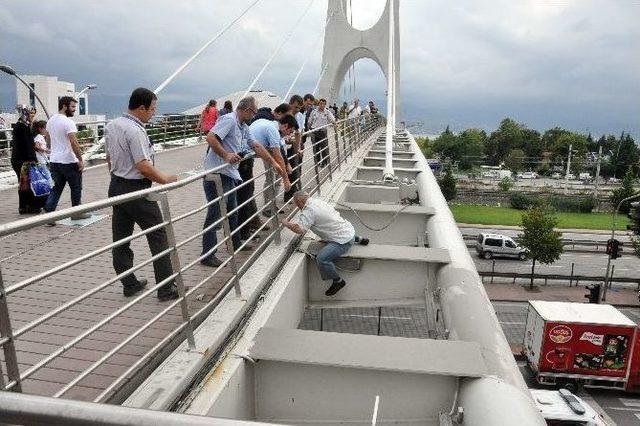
<point>175,264</point>
<point>316,167</point>
<point>613,268</point>
<point>326,155</point>
<point>184,129</point>
<point>9,348</point>
<point>335,135</point>
<point>226,230</point>
<point>493,270</point>
<point>271,176</point>
<point>571,278</point>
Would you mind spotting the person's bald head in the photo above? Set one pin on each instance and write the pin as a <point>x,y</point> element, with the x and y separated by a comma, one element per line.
<point>300,199</point>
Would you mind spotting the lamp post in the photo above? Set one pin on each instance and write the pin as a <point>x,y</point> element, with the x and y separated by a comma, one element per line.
<point>613,235</point>
<point>88,87</point>
<point>8,70</point>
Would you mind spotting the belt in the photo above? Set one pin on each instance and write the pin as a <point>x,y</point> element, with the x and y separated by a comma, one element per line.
<point>142,181</point>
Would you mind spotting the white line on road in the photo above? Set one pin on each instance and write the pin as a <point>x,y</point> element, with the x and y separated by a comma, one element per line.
<point>623,408</point>
<point>630,402</point>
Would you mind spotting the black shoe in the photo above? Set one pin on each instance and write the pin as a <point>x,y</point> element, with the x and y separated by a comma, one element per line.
<point>211,261</point>
<point>131,290</point>
<point>168,293</point>
<point>363,241</point>
<point>336,286</point>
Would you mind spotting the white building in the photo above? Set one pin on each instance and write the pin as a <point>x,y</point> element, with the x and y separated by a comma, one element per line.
<point>50,89</point>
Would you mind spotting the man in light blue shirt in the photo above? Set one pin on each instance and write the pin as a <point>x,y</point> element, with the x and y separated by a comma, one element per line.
<point>270,133</point>
<point>229,141</point>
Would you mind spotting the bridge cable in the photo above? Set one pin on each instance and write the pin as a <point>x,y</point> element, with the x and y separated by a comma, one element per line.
<point>315,46</point>
<point>353,65</point>
<point>203,48</point>
<point>275,53</point>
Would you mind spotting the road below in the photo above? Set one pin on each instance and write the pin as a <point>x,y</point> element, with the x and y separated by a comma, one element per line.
<point>623,408</point>
<point>594,264</point>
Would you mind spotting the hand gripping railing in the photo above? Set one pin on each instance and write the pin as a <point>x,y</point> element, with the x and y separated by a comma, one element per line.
<point>348,136</point>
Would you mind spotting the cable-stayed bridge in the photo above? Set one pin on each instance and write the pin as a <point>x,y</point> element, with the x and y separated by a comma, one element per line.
<point>412,338</point>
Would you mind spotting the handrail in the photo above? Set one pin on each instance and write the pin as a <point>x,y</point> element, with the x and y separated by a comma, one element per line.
<point>351,133</point>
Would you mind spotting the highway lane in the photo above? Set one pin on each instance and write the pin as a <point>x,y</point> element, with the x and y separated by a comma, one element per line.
<point>583,263</point>
<point>623,408</point>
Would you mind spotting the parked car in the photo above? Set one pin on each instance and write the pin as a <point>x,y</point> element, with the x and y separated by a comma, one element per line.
<point>584,176</point>
<point>556,175</point>
<point>571,176</point>
<point>527,175</point>
<point>496,245</point>
<point>613,180</point>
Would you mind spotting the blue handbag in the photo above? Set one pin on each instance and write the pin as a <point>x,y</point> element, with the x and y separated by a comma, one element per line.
<point>40,178</point>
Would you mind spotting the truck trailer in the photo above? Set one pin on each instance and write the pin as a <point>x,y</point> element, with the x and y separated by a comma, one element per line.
<point>581,344</point>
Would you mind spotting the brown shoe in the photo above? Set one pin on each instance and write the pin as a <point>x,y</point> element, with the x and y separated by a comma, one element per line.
<point>256,223</point>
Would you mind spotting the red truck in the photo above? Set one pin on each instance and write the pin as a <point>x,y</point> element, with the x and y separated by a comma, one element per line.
<point>582,344</point>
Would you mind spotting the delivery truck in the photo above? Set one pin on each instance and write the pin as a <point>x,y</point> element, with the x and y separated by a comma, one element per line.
<point>572,345</point>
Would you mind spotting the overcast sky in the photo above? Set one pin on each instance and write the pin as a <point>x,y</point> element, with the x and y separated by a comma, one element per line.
<point>568,63</point>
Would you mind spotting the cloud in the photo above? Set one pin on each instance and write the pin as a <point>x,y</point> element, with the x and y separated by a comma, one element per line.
<point>572,63</point>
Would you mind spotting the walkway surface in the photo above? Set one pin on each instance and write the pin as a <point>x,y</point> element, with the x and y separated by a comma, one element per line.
<point>37,250</point>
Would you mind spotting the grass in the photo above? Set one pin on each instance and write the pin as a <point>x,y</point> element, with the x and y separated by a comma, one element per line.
<point>489,215</point>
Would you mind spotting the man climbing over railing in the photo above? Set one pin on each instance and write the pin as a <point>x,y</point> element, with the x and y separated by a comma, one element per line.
<point>130,158</point>
<point>326,223</point>
<point>229,140</point>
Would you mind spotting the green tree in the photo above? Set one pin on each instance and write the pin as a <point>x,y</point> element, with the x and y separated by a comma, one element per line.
<point>542,242</point>
<point>626,155</point>
<point>448,185</point>
<point>514,160</point>
<point>505,184</point>
<point>624,191</point>
<point>550,137</point>
<point>426,146</point>
<point>560,147</point>
<point>471,147</point>
<point>508,136</point>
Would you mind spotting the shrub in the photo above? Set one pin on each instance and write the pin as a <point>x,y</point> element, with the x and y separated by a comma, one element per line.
<point>505,184</point>
<point>522,201</point>
<point>573,204</point>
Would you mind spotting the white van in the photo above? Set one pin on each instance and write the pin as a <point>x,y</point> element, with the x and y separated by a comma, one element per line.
<point>496,245</point>
<point>561,407</point>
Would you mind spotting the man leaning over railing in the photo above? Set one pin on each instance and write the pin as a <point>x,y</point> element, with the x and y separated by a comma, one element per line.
<point>130,158</point>
<point>229,140</point>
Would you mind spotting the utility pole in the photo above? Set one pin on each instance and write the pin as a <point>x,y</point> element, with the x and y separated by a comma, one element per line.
<point>566,176</point>
<point>597,182</point>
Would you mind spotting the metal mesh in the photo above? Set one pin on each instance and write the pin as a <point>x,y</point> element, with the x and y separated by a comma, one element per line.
<point>384,321</point>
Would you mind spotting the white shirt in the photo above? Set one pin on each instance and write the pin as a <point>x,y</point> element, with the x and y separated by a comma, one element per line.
<point>320,118</point>
<point>127,143</point>
<point>325,222</point>
<point>355,112</point>
<point>60,127</point>
<point>41,143</point>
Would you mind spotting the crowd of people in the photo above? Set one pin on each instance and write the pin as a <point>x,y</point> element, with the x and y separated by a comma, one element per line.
<point>233,136</point>
<point>63,160</point>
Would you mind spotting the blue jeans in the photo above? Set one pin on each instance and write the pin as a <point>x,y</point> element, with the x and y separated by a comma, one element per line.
<point>63,174</point>
<point>327,255</point>
<point>209,238</point>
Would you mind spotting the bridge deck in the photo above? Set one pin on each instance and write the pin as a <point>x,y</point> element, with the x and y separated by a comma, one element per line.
<point>37,250</point>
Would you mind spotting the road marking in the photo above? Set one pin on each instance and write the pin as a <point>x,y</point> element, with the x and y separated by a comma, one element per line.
<point>630,402</point>
<point>623,409</point>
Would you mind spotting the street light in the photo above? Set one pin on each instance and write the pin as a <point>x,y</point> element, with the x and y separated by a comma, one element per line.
<point>89,87</point>
<point>613,237</point>
<point>8,70</point>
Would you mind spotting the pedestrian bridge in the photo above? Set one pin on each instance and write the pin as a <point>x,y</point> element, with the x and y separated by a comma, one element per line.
<point>411,339</point>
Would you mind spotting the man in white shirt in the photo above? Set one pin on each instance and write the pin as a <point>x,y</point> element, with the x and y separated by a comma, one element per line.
<point>325,221</point>
<point>65,159</point>
<point>355,110</point>
<point>319,119</point>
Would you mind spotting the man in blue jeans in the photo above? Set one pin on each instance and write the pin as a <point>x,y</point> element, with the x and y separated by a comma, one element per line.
<point>65,159</point>
<point>326,223</point>
<point>229,140</point>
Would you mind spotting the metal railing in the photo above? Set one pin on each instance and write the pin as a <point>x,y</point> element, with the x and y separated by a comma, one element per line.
<point>165,130</point>
<point>349,135</point>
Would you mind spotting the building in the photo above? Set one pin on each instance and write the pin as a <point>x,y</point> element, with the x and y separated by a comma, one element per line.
<point>50,89</point>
